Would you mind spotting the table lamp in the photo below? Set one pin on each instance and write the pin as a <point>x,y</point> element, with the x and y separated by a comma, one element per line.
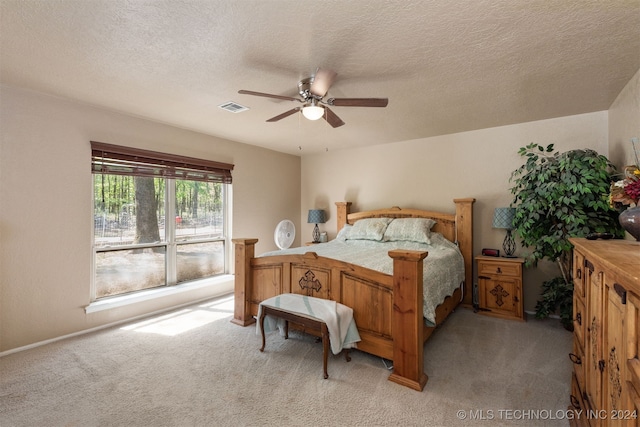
<point>503,218</point>
<point>316,216</point>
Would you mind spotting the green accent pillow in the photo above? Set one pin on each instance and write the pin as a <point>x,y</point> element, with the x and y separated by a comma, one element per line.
<point>369,229</point>
<point>409,229</point>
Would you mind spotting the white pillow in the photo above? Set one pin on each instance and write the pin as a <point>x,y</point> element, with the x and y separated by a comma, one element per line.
<point>409,229</point>
<point>369,229</point>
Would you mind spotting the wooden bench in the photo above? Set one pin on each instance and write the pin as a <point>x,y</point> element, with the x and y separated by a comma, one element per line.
<point>309,323</point>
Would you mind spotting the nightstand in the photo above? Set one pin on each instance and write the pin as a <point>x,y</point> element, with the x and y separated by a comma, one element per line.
<point>500,287</point>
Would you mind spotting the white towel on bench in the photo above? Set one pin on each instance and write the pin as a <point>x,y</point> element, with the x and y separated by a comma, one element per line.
<point>343,332</point>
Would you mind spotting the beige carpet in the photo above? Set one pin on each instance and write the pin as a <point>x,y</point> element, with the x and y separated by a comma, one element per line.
<point>192,367</point>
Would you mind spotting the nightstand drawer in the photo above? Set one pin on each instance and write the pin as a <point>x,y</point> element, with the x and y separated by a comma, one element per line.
<point>501,268</point>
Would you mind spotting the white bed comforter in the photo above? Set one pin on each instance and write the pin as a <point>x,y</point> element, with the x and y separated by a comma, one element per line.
<point>443,267</point>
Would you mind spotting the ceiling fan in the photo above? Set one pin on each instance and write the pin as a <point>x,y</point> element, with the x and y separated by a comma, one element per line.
<point>312,91</point>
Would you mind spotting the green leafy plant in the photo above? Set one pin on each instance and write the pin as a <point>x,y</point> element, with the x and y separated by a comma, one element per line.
<point>558,196</point>
<point>556,296</point>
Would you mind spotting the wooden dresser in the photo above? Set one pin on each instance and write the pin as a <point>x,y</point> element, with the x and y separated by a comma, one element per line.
<point>605,388</point>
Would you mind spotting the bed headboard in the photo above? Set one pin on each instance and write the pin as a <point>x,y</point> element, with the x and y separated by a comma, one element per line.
<point>456,227</point>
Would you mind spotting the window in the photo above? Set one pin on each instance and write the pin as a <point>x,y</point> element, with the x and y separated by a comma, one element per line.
<point>159,219</point>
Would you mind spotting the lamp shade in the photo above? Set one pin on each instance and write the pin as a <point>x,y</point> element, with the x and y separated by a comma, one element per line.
<point>316,216</point>
<point>503,218</point>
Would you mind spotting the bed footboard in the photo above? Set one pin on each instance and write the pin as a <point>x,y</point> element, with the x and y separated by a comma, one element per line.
<point>381,303</point>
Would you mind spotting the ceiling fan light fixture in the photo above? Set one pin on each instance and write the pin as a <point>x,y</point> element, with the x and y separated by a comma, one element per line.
<point>313,112</point>
<point>312,91</point>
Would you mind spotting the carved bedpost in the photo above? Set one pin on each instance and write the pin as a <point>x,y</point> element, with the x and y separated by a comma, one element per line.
<point>408,321</point>
<point>343,209</point>
<point>464,235</point>
<point>244,251</point>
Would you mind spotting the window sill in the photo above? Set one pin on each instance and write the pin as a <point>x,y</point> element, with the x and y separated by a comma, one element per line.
<point>223,283</point>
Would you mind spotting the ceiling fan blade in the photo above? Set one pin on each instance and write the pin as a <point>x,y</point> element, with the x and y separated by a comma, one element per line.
<point>322,81</point>
<point>268,95</point>
<point>331,118</point>
<point>358,102</point>
<point>285,114</point>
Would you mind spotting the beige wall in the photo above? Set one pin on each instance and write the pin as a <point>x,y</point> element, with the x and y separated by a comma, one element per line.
<point>429,173</point>
<point>624,124</point>
<point>46,216</point>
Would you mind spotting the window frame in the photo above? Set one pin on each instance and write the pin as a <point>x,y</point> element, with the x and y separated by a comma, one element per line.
<point>204,170</point>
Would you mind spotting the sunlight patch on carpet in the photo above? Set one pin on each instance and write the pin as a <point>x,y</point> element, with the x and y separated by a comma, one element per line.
<point>177,322</point>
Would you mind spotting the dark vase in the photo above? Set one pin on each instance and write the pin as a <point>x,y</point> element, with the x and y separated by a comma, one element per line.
<point>630,221</point>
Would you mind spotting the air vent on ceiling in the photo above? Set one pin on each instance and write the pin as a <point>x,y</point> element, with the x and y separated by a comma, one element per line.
<point>233,107</point>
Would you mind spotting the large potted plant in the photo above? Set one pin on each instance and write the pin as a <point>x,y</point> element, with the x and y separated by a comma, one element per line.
<point>558,196</point>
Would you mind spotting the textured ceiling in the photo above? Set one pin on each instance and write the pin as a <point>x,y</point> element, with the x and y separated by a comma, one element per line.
<point>446,66</point>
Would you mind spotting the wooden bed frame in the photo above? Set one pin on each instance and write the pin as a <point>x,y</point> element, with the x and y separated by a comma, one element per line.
<point>387,308</point>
